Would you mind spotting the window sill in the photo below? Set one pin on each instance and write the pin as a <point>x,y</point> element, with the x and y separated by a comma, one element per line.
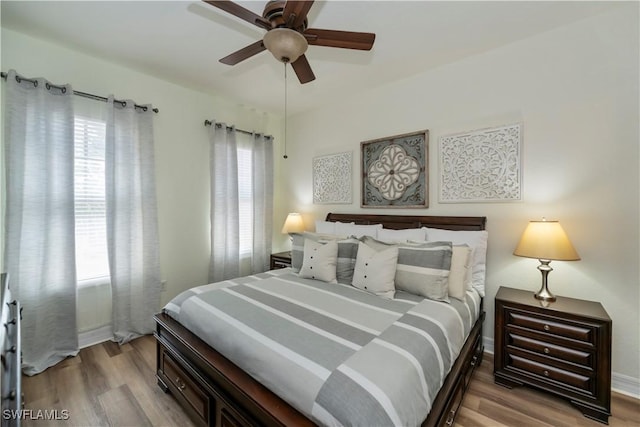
<point>98,281</point>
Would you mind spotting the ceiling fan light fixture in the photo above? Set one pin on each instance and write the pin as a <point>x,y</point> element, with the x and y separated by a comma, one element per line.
<point>285,45</point>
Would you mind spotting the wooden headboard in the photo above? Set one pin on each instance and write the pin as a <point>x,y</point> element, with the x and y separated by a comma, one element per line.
<point>399,222</point>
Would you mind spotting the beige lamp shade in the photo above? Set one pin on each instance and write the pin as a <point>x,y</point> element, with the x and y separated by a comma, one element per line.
<point>293,224</point>
<point>285,44</point>
<point>546,240</point>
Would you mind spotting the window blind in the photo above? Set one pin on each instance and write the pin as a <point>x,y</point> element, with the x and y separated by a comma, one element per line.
<point>90,204</point>
<point>245,200</point>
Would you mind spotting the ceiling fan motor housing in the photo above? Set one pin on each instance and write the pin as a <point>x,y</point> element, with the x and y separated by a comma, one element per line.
<point>273,12</point>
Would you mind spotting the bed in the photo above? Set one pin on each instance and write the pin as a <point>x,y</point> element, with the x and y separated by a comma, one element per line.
<point>216,391</point>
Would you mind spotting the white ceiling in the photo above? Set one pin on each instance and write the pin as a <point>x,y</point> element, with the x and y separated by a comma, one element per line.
<point>181,41</point>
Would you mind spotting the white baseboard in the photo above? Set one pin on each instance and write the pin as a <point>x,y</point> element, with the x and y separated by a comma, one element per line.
<point>620,383</point>
<point>625,384</point>
<point>488,344</point>
<point>95,336</point>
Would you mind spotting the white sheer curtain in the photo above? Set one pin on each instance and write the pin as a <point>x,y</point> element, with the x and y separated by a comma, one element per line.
<point>225,227</point>
<point>132,225</point>
<point>241,202</point>
<point>262,201</point>
<point>40,244</point>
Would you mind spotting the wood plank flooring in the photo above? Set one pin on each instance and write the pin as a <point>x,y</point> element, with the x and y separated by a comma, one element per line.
<point>109,385</point>
<point>105,385</point>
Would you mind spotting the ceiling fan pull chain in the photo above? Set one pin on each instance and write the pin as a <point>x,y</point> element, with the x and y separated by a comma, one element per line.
<point>285,111</point>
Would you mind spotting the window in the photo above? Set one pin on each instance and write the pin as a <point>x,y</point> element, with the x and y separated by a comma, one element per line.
<point>245,200</point>
<point>92,263</point>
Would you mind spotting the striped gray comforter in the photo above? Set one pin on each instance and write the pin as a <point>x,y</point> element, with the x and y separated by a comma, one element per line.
<point>337,354</point>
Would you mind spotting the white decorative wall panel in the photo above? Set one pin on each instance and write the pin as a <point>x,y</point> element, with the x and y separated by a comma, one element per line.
<point>332,178</point>
<point>481,166</point>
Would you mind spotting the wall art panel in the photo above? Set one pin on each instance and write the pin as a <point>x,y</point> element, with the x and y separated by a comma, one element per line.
<point>332,178</point>
<point>481,166</point>
<point>394,171</point>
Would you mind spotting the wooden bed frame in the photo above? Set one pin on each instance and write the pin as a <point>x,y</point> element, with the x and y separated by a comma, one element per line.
<point>216,392</point>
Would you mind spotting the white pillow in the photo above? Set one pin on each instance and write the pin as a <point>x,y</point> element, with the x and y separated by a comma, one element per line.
<point>477,240</point>
<point>375,271</point>
<point>297,246</point>
<point>325,227</point>
<point>319,261</point>
<point>401,236</point>
<point>460,274</point>
<point>357,230</point>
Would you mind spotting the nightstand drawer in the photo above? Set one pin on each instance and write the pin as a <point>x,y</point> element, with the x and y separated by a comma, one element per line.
<point>280,264</point>
<point>546,372</point>
<point>280,260</point>
<point>584,358</point>
<point>552,326</point>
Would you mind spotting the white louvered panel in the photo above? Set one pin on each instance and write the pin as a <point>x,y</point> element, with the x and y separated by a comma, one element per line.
<point>90,207</point>
<point>245,200</point>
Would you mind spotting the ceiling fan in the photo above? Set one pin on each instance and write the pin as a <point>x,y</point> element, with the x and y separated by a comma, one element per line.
<point>287,36</point>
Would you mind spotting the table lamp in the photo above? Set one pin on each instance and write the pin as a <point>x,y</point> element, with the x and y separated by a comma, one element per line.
<point>293,224</point>
<point>545,241</point>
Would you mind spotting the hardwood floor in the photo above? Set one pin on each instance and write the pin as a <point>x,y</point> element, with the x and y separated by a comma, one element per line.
<point>105,385</point>
<point>109,385</point>
<point>488,404</point>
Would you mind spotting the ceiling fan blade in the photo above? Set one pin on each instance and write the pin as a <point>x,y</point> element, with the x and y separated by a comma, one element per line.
<point>343,39</point>
<point>244,53</point>
<point>240,12</point>
<point>303,70</point>
<point>298,9</point>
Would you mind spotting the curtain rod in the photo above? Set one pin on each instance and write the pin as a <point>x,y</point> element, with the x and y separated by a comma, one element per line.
<point>246,132</point>
<point>78,93</point>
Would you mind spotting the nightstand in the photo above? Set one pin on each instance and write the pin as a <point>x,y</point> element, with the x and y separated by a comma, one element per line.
<point>280,260</point>
<point>563,347</point>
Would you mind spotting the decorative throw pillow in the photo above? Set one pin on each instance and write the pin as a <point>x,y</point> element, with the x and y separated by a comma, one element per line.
<point>357,230</point>
<point>320,261</point>
<point>402,236</point>
<point>477,240</point>
<point>297,246</point>
<point>347,254</point>
<point>422,268</point>
<point>460,273</point>
<point>375,270</point>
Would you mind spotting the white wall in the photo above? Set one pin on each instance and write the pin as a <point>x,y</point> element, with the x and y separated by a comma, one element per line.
<point>575,89</point>
<point>182,154</point>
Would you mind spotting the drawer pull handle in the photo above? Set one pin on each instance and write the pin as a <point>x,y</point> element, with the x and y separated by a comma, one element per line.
<point>546,350</point>
<point>474,361</point>
<point>181,385</point>
<point>451,417</point>
<point>546,373</point>
<point>546,327</point>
